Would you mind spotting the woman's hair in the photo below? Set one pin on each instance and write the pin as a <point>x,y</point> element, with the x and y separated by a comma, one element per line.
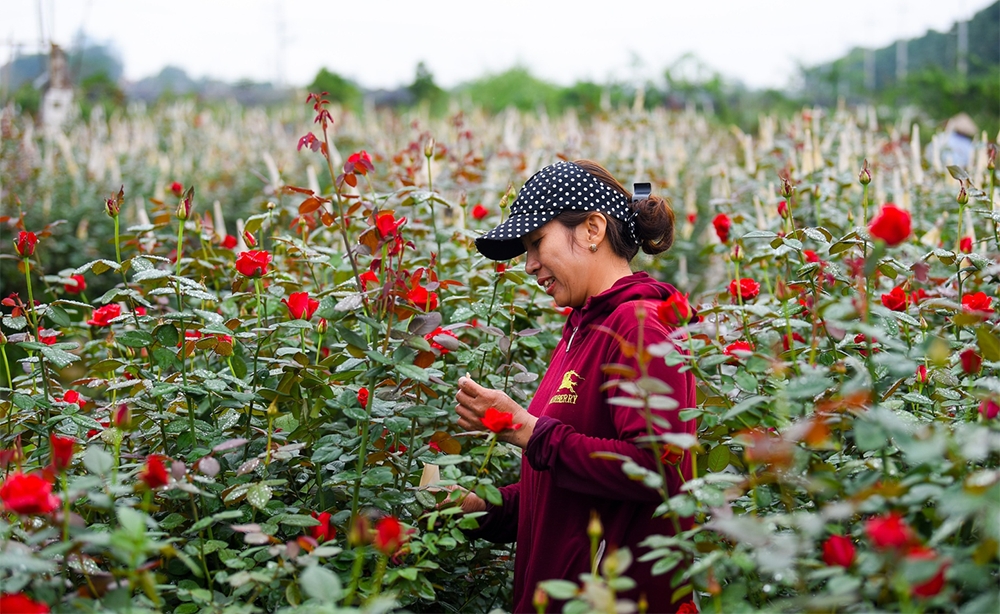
<point>654,219</point>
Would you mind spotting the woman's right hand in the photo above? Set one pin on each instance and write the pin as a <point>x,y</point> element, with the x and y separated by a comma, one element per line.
<point>467,500</point>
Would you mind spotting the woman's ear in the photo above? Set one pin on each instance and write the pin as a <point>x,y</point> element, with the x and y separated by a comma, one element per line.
<point>596,226</point>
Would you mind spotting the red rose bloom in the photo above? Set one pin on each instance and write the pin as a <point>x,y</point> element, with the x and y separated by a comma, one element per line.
<point>738,349</point>
<point>62,451</point>
<point>891,224</point>
<point>783,209</point>
<point>747,288</point>
<point>971,361</point>
<point>78,285</point>
<point>72,396</point>
<point>810,255</point>
<point>324,531</point>
<point>479,212</point>
<point>441,339</point>
<point>895,299</point>
<point>722,225</point>
<point>48,339</point>
<point>24,245</point>
<point>977,301</point>
<point>366,278</point>
<point>19,603</point>
<point>363,397</point>
<point>103,315</point>
<point>965,245</point>
<point>154,473</point>
<point>387,224</point>
<point>300,306</point>
<point>889,532</point>
<point>28,494</point>
<point>253,263</point>
<point>359,163</point>
<point>838,550</point>
<point>388,535</point>
<point>688,607</point>
<point>177,188</point>
<point>922,374</point>
<point>989,409</point>
<point>419,296</point>
<point>917,296</point>
<point>933,585</point>
<point>675,311</point>
<point>496,420</point>
<point>229,242</point>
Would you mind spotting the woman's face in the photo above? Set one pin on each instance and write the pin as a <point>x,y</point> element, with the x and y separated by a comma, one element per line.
<point>557,258</point>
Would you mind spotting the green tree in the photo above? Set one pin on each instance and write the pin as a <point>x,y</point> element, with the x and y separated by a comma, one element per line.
<point>425,91</point>
<point>517,88</point>
<point>338,89</point>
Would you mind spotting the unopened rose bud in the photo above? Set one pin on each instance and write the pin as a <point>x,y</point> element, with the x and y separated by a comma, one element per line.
<point>737,253</point>
<point>783,292</point>
<point>322,326</point>
<point>540,599</point>
<point>594,527</point>
<point>177,470</point>
<point>121,417</point>
<point>429,148</point>
<point>3,339</point>
<point>991,156</point>
<point>113,205</point>
<point>272,409</point>
<point>786,188</point>
<point>360,533</point>
<point>963,196</point>
<point>865,176</point>
<point>463,200</point>
<point>249,239</point>
<point>783,209</point>
<point>271,205</point>
<point>922,374</point>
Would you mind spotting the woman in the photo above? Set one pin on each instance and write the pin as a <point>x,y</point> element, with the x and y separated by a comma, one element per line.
<point>580,228</point>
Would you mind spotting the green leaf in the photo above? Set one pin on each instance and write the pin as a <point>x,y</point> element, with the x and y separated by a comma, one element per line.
<point>559,589</point>
<point>718,458</point>
<point>59,358</point>
<point>135,339</point>
<point>298,520</point>
<point>667,563</point>
<point>413,372</point>
<point>207,521</point>
<point>97,461</point>
<point>167,335</point>
<point>259,495</point>
<point>321,584</point>
<point>58,316</point>
<point>99,267</point>
<point>988,344</point>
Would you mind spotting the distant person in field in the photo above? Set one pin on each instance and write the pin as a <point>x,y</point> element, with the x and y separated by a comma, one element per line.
<point>957,148</point>
<point>580,229</point>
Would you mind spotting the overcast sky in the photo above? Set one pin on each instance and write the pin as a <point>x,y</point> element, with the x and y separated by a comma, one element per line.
<point>378,43</point>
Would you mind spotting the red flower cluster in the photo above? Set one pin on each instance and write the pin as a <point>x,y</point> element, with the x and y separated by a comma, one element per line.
<point>497,421</point>
<point>103,315</point>
<point>891,224</point>
<point>722,224</point>
<point>300,306</point>
<point>933,585</point>
<point>890,532</point>
<point>368,277</point>
<point>78,285</point>
<point>359,162</point>
<point>675,311</point>
<point>977,301</point>
<point>746,288</point>
<point>177,188</point>
<point>24,245</point>
<point>28,494</point>
<point>253,263</point>
<point>420,297</point>
<point>479,212</point>
<point>324,531</point>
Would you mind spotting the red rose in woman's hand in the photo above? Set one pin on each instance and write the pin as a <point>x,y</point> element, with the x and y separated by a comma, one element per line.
<point>253,263</point>
<point>891,224</point>
<point>498,421</point>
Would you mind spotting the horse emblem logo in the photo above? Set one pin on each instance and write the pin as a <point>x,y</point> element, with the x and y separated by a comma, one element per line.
<point>567,381</point>
<point>566,393</point>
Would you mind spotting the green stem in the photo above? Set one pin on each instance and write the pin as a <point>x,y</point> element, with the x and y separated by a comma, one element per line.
<point>358,567</point>
<point>363,448</point>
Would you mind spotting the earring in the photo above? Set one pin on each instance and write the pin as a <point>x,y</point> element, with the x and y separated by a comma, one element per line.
<point>593,247</point>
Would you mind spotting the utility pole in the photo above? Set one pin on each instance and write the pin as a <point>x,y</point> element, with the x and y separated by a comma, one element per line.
<point>963,47</point>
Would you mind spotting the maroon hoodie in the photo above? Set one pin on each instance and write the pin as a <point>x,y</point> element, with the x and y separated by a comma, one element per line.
<point>548,510</point>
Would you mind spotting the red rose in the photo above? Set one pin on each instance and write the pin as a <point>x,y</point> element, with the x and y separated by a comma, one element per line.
<point>971,361</point>
<point>989,409</point>
<point>249,239</point>
<point>366,278</point>
<point>933,585</point>
<point>965,245</point>
<point>300,306</point>
<point>722,225</point>
<point>62,451</point>
<point>675,311</point>
<point>895,300</point>
<point>28,494</point>
<point>810,255</point>
<point>154,472</point>
<point>692,218</point>
<point>977,301</point>
<point>688,607</point>
<point>121,417</point>
<point>747,288</point>
<point>442,340</point>
<point>387,224</point>
<point>671,454</point>
<point>229,242</point>
<point>253,263</point>
<point>72,396</point>
<point>48,339</point>
<point>917,295</point>
<point>496,420</point>
<point>479,212</point>
<point>359,162</point>
<point>177,188</point>
<point>838,550</point>
<point>363,397</point>
<point>24,245</point>
<point>783,209</point>
<point>419,296</point>
<point>388,535</point>
<point>103,315</point>
<point>891,224</point>
<point>738,349</point>
<point>324,531</point>
<point>922,374</point>
<point>19,603</point>
<point>78,285</point>
<point>889,532</point>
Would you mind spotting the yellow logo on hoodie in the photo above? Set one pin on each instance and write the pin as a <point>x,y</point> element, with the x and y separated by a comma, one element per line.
<point>569,385</point>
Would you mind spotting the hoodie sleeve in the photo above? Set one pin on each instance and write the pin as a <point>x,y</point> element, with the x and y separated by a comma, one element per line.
<point>499,525</point>
<point>558,448</point>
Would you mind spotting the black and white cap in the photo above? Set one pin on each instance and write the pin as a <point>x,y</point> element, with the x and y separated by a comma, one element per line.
<point>559,187</point>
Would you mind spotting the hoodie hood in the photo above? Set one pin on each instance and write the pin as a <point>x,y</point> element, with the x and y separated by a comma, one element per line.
<point>635,287</point>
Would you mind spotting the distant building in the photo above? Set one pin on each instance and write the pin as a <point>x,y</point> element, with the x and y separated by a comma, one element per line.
<point>57,101</point>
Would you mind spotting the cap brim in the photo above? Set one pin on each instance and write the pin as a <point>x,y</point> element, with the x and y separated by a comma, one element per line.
<point>505,241</point>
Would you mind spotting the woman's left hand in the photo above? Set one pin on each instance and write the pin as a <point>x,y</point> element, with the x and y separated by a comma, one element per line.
<point>474,400</point>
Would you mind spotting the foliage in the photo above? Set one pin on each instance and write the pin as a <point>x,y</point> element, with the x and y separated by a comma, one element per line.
<point>288,441</point>
<point>338,89</point>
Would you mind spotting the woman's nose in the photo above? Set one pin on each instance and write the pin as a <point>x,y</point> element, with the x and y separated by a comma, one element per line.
<point>531,264</point>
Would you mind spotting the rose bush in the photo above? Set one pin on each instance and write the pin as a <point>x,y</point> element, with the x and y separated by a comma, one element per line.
<point>240,448</point>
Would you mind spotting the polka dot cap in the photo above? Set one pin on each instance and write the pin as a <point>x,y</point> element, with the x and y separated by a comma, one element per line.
<point>559,187</point>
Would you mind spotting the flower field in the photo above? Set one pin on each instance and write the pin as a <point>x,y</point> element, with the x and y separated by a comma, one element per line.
<point>231,342</point>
